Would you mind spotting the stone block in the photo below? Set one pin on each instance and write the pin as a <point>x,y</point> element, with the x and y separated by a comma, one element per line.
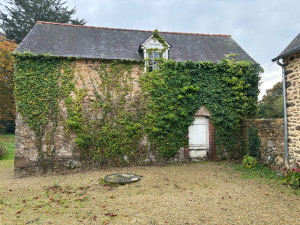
<point>21,162</point>
<point>279,161</point>
<point>270,144</point>
<point>290,104</point>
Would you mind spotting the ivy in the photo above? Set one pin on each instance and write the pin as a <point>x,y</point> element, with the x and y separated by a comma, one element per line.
<point>111,124</point>
<point>160,39</point>
<point>116,130</point>
<point>228,89</point>
<point>37,92</point>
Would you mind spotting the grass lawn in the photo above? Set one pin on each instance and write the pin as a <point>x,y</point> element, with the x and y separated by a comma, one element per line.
<point>192,193</point>
<point>263,173</point>
<point>259,171</point>
<point>8,141</point>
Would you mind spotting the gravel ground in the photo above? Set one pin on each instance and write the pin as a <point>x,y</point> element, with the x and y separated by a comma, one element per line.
<point>201,193</point>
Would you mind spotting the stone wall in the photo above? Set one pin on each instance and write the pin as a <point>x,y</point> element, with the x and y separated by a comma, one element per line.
<point>27,159</point>
<point>271,133</point>
<point>293,106</point>
<point>59,151</point>
<point>62,154</point>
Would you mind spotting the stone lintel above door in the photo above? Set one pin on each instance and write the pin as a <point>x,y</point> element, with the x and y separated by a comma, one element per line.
<point>202,112</point>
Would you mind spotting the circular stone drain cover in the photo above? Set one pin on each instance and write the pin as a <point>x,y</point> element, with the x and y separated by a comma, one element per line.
<point>121,178</point>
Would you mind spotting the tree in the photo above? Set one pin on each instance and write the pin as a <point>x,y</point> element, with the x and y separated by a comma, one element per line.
<point>271,105</point>
<point>7,103</point>
<point>22,15</point>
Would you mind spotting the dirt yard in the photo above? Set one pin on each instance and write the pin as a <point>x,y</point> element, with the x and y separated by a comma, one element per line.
<point>202,193</point>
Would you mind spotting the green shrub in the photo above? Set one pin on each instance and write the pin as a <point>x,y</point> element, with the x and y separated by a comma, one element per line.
<point>249,161</point>
<point>254,143</point>
<point>292,177</point>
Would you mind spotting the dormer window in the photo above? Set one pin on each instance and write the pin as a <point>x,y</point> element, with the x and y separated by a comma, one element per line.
<point>154,48</point>
<point>152,60</point>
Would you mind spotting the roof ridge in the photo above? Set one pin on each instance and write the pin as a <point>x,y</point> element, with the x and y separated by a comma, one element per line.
<point>71,25</point>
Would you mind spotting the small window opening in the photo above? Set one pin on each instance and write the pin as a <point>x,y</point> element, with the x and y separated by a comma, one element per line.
<point>152,60</point>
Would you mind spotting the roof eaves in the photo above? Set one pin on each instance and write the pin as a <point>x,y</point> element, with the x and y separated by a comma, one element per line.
<point>286,54</point>
<point>84,58</point>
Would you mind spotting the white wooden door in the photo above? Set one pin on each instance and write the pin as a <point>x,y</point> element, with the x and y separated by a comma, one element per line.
<point>199,137</point>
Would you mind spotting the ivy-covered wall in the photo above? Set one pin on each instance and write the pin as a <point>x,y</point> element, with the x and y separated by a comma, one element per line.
<point>228,90</point>
<point>77,113</point>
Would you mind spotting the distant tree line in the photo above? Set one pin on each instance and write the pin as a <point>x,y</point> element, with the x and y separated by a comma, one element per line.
<point>271,105</point>
<point>20,16</point>
<point>16,19</point>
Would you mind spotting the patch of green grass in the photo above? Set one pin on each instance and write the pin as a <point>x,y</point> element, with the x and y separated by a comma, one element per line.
<point>8,141</point>
<point>264,174</point>
<point>259,171</point>
<point>297,192</point>
<point>6,164</point>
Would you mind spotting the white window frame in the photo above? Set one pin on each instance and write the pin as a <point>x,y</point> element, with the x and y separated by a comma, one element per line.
<point>152,60</point>
<point>151,45</point>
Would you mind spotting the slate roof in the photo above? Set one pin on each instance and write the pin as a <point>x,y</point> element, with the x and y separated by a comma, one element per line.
<point>66,40</point>
<point>293,47</point>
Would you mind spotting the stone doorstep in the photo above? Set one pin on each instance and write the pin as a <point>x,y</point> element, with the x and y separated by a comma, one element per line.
<point>198,154</point>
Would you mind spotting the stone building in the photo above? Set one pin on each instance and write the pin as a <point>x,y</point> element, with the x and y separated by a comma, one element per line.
<point>91,47</point>
<point>291,71</point>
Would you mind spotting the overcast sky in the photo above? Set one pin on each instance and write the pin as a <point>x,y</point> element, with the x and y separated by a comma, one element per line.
<point>263,28</point>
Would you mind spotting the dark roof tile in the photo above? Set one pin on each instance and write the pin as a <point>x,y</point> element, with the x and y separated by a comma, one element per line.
<point>66,40</point>
<point>294,46</point>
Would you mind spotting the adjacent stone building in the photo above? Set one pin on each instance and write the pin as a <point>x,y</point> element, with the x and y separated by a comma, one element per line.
<point>291,63</point>
<point>96,47</point>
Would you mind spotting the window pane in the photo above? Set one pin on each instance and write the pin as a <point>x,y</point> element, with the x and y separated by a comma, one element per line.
<point>152,64</point>
<point>150,68</point>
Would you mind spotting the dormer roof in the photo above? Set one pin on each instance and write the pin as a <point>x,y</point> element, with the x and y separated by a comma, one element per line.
<point>151,42</point>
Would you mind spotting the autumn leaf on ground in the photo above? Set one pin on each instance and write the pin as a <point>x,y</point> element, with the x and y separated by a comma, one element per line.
<point>110,214</point>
